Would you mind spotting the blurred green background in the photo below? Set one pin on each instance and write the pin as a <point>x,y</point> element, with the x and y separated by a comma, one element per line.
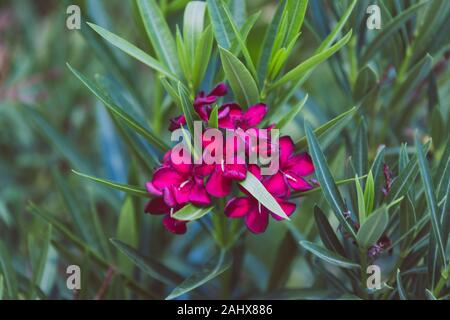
<point>50,124</point>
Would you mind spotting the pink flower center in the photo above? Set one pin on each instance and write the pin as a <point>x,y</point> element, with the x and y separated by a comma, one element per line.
<point>183,184</point>
<point>289,176</point>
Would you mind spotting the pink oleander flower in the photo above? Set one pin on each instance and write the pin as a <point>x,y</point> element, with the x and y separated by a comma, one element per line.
<point>238,118</point>
<point>203,103</point>
<point>157,206</point>
<point>255,214</point>
<point>177,122</point>
<point>179,184</point>
<point>223,174</point>
<point>293,167</point>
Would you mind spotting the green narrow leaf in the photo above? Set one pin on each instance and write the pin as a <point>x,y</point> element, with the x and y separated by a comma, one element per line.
<point>443,191</point>
<point>221,25</point>
<point>407,222</point>
<point>369,193</point>
<point>327,127</point>
<point>245,31</point>
<point>362,214</point>
<point>326,180</point>
<point>240,79</point>
<point>373,228</point>
<point>268,44</point>
<point>39,265</point>
<point>292,113</point>
<point>127,231</point>
<point>417,74</point>
<point>173,93</point>
<point>360,147</point>
<point>312,62</point>
<point>326,232</point>
<point>298,194</point>
<point>132,190</point>
<point>328,256</point>
<point>183,56</point>
<point>241,42</point>
<point>283,262</point>
<point>389,30</point>
<point>186,107</point>
<point>431,200</point>
<point>443,173</point>
<point>193,22</point>
<point>190,212</point>
<point>8,271</point>
<point>202,56</point>
<point>151,267</point>
<point>60,142</point>
<point>430,295</point>
<point>401,290</point>
<point>376,170</point>
<point>296,14</point>
<point>132,50</point>
<point>402,183</point>
<point>323,46</point>
<point>72,205</point>
<point>213,121</point>
<point>133,123</point>
<point>216,266</point>
<point>1,286</point>
<point>257,190</point>
<point>85,248</point>
<point>403,157</point>
<point>159,33</point>
<point>365,81</point>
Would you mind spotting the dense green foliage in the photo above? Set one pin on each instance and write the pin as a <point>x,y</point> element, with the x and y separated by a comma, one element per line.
<point>79,141</point>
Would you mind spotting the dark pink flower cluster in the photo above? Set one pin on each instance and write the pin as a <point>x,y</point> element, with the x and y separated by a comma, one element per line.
<point>175,185</point>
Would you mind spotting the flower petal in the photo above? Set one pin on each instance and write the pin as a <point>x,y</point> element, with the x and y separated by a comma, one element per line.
<point>157,206</point>
<point>177,122</point>
<point>255,170</point>
<point>296,182</point>
<point>301,164</point>
<point>220,90</point>
<point>276,185</point>
<point>234,171</point>
<point>218,185</point>
<point>202,100</point>
<point>257,221</point>
<point>169,196</point>
<point>203,170</point>
<point>255,114</point>
<point>198,196</point>
<point>164,177</point>
<point>239,207</point>
<point>174,225</point>
<point>228,119</point>
<point>183,191</point>
<point>152,189</point>
<point>287,149</point>
<point>288,208</point>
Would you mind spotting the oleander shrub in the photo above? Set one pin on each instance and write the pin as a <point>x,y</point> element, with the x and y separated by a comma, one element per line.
<point>355,114</point>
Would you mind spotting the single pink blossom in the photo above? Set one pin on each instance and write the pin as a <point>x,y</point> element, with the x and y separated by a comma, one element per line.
<point>179,184</point>
<point>293,167</point>
<point>255,214</point>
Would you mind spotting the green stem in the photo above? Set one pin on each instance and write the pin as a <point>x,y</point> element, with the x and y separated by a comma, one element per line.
<point>442,281</point>
<point>363,257</point>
